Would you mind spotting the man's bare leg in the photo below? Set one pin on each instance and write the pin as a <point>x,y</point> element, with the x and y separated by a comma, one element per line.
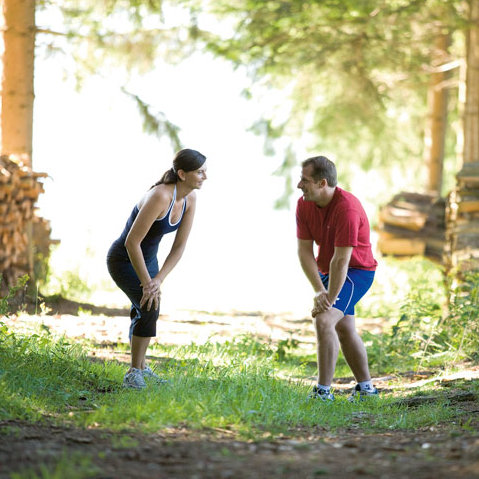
<point>327,344</point>
<point>353,348</point>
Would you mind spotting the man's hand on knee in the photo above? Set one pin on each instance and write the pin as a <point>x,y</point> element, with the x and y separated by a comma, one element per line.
<point>321,303</point>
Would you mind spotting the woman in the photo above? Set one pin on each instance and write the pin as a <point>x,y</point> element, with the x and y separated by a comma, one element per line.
<point>132,261</point>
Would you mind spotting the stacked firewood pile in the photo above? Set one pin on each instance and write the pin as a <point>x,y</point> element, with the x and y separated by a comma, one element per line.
<point>462,217</point>
<point>21,229</point>
<point>413,224</point>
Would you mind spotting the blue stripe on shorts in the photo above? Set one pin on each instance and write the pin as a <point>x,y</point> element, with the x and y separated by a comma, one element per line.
<point>357,283</point>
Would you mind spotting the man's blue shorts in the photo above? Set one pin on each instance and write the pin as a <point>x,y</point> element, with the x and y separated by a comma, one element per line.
<point>357,283</point>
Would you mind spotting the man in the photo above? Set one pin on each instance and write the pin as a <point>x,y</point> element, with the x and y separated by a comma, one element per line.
<point>335,220</point>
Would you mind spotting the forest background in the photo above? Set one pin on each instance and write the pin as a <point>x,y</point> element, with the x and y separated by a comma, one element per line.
<point>257,86</point>
<point>287,90</point>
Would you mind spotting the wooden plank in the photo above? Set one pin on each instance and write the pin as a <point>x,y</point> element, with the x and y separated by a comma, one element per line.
<point>467,241</point>
<point>412,220</point>
<point>469,173</point>
<point>468,206</point>
<point>472,178</point>
<point>414,198</point>
<point>401,246</point>
<point>19,190</point>
<point>465,227</point>
<point>7,188</point>
<point>435,243</point>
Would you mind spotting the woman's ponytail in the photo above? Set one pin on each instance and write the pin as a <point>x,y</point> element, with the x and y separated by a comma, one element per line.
<point>169,177</point>
<point>186,160</point>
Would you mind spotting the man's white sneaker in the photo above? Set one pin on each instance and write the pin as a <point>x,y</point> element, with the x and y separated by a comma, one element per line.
<point>363,394</point>
<point>321,394</point>
<point>134,379</point>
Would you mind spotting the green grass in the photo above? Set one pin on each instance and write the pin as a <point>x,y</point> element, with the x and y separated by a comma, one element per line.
<point>71,466</point>
<point>242,385</point>
<point>422,329</point>
<point>256,388</point>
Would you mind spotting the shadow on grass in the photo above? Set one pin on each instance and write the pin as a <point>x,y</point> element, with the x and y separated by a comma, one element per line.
<point>53,305</point>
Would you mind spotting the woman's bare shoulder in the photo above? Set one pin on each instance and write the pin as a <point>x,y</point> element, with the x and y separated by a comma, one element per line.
<point>162,191</point>
<point>159,195</point>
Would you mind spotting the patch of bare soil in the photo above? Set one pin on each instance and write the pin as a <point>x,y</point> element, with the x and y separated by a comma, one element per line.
<point>109,325</point>
<point>449,451</point>
<point>182,453</point>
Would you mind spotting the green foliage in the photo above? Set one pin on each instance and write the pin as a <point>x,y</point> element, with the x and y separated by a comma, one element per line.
<point>156,123</point>
<point>428,331</point>
<point>326,66</point>
<point>69,284</point>
<point>337,86</point>
<point>395,280</point>
<point>73,466</point>
<point>284,348</point>
<point>39,375</point>
<point>41,266</point>
<point>462,322</point>
<point>108,34</point>
<point>12,292</point>
<point>120,37</point>
<point>410,338</point>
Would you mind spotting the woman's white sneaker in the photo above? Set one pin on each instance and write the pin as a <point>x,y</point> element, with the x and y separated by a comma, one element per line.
<point>134,379</point>
<point>148,374</point>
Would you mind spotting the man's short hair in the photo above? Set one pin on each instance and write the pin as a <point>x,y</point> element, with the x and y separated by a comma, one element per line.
<point>323,168</point>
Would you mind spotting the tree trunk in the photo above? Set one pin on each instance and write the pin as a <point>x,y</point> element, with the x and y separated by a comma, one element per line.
<point>435,131</point>
<point>462,253</point>
<point>471,111</point>
<point>17,98</point>
<point>17,81</point>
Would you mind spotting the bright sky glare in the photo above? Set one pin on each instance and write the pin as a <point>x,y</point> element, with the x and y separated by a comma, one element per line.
<point>241,254</point>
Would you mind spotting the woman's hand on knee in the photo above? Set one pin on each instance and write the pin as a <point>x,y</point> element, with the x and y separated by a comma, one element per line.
<point>151,295</point>
<point>152,287</point>
<point>152,299</point>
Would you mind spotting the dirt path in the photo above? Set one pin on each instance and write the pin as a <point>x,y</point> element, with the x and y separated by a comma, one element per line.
<point>182,453</point>
<point>183,327</point>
